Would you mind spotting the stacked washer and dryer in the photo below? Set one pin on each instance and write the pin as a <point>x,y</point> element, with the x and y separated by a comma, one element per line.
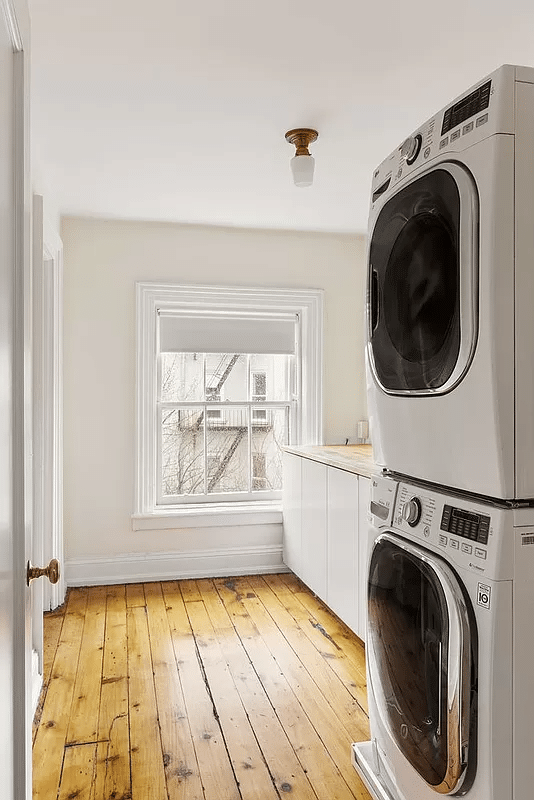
<point>450,371</point>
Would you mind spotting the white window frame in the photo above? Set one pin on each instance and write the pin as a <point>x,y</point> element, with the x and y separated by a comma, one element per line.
<point>306,304</point>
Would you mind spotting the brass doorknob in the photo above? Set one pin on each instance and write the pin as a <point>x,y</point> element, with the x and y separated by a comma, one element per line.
<point>51,571</point>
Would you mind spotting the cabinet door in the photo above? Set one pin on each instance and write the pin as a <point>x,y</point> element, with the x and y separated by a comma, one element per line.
<point>343,575</point>
<point>292,512</point>
<point>314,526</point>
<point>364,547</point>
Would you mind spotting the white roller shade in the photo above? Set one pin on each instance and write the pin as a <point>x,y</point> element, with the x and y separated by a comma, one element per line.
<point>183,333</point>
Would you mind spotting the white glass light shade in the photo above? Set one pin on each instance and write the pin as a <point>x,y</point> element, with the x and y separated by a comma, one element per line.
<point>302,168</point>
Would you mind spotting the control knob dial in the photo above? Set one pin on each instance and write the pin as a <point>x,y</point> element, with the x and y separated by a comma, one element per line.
<point>411,147</point>
<point>411,511</point>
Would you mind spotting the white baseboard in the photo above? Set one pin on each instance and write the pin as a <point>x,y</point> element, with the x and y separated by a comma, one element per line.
<point>140,567</point>
<point>37,681</point>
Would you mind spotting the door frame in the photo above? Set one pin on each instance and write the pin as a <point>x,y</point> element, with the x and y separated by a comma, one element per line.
<point>47,275</point>
<point>48,400</point>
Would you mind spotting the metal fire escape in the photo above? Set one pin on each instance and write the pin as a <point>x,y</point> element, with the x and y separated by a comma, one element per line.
<point>219,472</point>
<point>223,370</point>
<point>218,378</point>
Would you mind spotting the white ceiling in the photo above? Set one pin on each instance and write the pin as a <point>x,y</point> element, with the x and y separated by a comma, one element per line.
<point>177,111</point>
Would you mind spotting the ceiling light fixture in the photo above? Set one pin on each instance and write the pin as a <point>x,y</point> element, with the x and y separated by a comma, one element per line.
<point>302,163</point>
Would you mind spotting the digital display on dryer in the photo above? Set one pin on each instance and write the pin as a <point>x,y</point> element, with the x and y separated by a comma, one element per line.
<point>465,524</point>
<point>467,107</point>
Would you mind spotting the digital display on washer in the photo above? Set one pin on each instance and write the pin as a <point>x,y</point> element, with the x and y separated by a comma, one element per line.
<point>465,524</point>
<point>473,104</point>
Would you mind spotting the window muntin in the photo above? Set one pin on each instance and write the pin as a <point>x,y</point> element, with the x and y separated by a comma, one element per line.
<point>228,446</point>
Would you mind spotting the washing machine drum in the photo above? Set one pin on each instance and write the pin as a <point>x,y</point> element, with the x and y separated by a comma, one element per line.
<point>419,642</point>
<point>415,263</point>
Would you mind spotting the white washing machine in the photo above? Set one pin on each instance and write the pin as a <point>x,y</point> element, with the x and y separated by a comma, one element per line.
<point>450,647</point>
<point>450,339</point>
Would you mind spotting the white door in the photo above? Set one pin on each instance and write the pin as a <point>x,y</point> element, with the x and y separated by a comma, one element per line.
<point>15,441</point>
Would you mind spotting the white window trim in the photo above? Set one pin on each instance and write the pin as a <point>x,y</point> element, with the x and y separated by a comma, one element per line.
<point>151,297</point>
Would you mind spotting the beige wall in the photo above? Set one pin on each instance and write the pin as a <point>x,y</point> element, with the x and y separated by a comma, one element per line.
<point>103,260</point>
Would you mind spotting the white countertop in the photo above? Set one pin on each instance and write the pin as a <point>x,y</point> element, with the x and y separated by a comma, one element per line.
<point>357,458</point>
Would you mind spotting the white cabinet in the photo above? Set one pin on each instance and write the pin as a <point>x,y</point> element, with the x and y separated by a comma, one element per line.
<point>314,505</point>
<point>326,539</point>
<point>292,512</point>
<point>364,547</point>
<point>342,529</point>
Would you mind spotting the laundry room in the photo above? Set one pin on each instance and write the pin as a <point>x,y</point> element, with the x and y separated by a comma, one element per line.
<point>268,449</point>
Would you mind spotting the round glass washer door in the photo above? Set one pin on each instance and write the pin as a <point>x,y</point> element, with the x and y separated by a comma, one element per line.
<point>422,283</point>
<point>419,651</point>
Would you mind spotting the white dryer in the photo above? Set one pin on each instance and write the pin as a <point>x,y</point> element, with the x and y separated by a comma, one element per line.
<point>450,302</point>
<point>450,647</point>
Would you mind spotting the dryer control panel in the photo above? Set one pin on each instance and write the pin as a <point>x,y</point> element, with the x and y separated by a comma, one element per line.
<point>485,109</point>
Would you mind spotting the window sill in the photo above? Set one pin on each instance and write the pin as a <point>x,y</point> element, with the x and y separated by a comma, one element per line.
<point>222,515</point>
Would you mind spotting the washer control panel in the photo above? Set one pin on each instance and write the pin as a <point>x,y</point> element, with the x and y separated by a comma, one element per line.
<point>411,511</point>
<point>414,507</point>
<point>383,494</point>
<point>461,532</point>
<point>465,524</point>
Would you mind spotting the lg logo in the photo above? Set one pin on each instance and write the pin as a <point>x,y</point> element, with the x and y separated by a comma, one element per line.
<point>484,595</point>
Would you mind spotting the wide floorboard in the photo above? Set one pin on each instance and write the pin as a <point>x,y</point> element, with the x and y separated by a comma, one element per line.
<point>226,689</point>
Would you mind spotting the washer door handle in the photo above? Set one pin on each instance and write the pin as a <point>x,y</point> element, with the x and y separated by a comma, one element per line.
<point>374,300</point>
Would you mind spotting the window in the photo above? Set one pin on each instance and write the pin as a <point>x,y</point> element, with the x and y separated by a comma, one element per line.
<point>226,377</point>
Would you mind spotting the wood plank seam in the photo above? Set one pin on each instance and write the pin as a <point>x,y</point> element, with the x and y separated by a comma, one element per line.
<point>333,653</point>
<point>231,585</point>
<point>331,726</point>
<point>215,712</point>
<point>199,621</point>
<point>110,780</point>
<point>274,743</point>
<point>218,779</point>
<point>276,609</point>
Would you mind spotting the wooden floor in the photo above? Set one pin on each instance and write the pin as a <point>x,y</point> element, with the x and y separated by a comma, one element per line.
<point>227,689</point>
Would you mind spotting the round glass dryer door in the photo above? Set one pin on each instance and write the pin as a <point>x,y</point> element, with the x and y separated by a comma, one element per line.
<point>420,658</point>
<point>422,283</point>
